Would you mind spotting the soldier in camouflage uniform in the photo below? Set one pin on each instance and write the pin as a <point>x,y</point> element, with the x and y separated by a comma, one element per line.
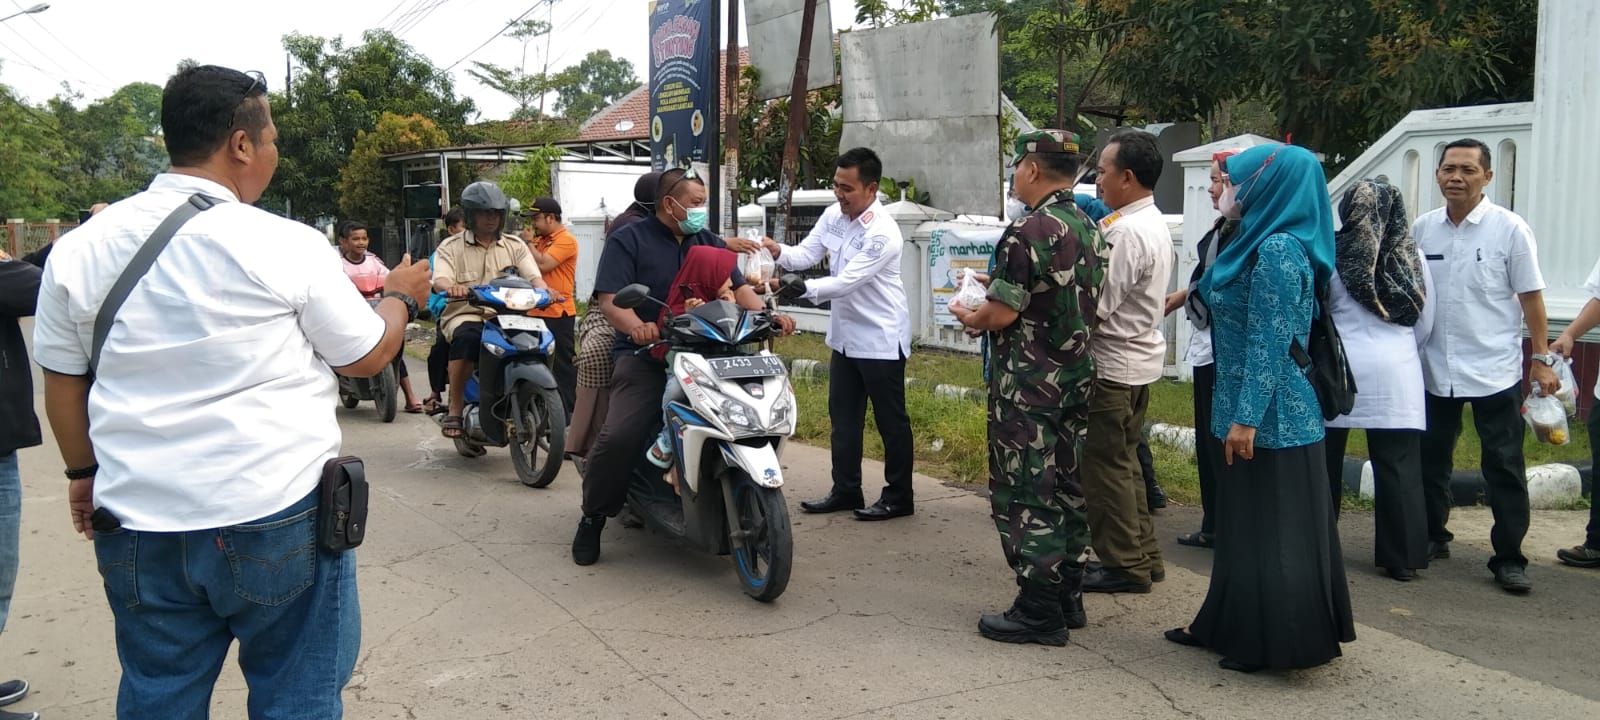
<point>1048,268</point>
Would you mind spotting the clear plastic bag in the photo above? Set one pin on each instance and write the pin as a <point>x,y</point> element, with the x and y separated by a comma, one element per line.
<point>758,267</point>
<point>1568,394</point>
<point>1546,417</point>
<point>970,293</point>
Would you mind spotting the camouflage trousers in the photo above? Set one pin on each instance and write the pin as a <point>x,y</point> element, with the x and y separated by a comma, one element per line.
<point>1034,487</point>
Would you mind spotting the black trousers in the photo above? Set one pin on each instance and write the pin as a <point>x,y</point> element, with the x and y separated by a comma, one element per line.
<point>1401,537</point>
<point>1207,447</point>
<point>632,423</point>
<point>439,363</point>
<point>564,363</point>
<point>851,382</point>
<point>1498,418</point>
<point>1593,540</point>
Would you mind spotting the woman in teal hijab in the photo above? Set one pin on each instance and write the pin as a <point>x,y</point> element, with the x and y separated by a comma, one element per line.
<point>1278,598</point>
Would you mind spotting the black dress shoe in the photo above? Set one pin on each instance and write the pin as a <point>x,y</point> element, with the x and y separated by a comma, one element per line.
<point>885,511</point>
<point>1110,581</point>
<point>1155,497</point>
<point>834,502</point>
<point>586,543</point>
<point>1401,574</point>
<point>1438,550</point>
<point>1236,666</point>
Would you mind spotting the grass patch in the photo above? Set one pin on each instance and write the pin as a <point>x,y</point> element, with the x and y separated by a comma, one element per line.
<point>940,367</point>
<point>951,436</point>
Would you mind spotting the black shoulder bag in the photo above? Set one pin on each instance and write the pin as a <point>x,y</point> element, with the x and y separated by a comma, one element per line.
<point>1324,362</point>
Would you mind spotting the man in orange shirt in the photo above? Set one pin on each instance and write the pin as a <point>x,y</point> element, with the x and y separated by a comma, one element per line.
<point>556,252</point>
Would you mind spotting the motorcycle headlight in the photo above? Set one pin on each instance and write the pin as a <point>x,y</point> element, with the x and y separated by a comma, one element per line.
<point>781,412</point>
<point>739,415</point>
<point>520,299</point>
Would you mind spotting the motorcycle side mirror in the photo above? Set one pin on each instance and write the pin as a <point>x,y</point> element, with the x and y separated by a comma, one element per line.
<point>632,296</point>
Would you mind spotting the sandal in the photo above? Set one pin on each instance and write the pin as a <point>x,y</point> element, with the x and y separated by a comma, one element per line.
<point>415,409</point>
<point>1196,539</point>
<point>452,426</point>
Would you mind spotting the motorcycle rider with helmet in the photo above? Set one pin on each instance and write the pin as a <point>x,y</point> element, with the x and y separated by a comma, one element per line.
<point>479,253</point>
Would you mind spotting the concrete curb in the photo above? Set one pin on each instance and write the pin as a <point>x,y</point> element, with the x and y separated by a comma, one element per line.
<point>1549,486</point>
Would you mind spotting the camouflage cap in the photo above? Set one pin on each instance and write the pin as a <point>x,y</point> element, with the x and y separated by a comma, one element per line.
<point>1043,141</point>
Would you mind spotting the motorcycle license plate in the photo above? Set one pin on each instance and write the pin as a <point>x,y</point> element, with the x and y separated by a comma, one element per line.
<point>748,367</point>
<point>522,322</point>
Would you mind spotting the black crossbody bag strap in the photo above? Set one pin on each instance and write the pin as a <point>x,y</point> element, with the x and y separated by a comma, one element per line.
<point>138,267</point>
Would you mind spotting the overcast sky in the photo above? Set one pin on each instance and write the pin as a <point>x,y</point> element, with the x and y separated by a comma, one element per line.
<point>101,45</point>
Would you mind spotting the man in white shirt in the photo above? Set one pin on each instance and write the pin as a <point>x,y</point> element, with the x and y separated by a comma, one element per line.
<point>195,446</point>
<point>1129,353</point>
<point>1586,555</point>
<point>869,331</point>
<point>1485,269</point>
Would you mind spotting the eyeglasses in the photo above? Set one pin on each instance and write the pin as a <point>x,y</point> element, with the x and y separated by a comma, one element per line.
<point>257,80</point>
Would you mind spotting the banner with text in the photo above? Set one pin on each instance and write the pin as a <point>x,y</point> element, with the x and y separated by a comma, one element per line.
<point>682,81</point>
<point>950,252</point>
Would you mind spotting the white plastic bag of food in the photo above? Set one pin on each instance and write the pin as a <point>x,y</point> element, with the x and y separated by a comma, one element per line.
<point>970,293</point>
<point>1568,394</point>
<point>1546,417</point>
<point>759,266</point>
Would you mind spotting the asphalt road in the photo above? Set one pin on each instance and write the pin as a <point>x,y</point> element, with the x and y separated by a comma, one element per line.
<point>473,608</point>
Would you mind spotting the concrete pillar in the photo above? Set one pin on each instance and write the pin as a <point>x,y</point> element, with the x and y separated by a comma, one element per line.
<point>1562,175</point>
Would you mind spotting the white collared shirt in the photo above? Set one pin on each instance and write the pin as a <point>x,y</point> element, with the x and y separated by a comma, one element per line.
<point>1592,286</point>
<point>869,317</point>
<point>214,401</point>
<point>1479,269</point>
<point>1128,345</point>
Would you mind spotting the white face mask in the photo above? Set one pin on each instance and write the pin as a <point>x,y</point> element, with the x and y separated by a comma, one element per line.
<point>1228,203</point>
<point>1015,210</point>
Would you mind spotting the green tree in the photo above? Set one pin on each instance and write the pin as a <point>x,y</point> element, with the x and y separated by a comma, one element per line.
<point>339,92</point>
<point>517,83</point>
<point>762,125</point>
<point>593,85</point>
<point>112,147</point>
<point>369,186</point>
<point>530,179</point>
<point>1336,73</point>
<point>882,13</point>
<point>30,153</point>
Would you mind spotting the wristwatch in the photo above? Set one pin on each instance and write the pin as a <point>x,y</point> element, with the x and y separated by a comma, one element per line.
<point>1549,360</point>
<point>411,304</point>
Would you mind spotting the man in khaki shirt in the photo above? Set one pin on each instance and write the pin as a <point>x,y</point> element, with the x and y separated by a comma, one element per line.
<point>475,256</point>
<point>1129,352</point>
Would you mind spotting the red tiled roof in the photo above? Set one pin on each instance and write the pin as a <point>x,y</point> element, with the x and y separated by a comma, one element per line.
<point>635,108</point>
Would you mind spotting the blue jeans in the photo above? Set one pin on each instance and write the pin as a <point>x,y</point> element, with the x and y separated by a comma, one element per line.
<point>10,530</point>
<point>180,600</point>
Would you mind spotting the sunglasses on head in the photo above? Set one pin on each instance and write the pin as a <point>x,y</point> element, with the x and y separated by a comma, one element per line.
<point>257,80</point>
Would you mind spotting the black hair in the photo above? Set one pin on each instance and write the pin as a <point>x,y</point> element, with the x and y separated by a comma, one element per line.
<point>1487,159</point>
<point>673,179</point>
<point>349,227</point>
<point>454,217</point>
<point>202,106</point>
<point>866,163</point>
<point>1137,151</point>
<point>1058,165</point>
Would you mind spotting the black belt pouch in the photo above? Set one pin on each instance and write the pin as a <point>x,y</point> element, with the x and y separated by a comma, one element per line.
<point>342,505</point>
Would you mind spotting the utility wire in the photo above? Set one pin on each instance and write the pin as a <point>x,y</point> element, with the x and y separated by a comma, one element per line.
<point>387,14</point>
<point>421,17</point>
<point>497,34</point>
<point>67,46</point>
<point>69,75</point>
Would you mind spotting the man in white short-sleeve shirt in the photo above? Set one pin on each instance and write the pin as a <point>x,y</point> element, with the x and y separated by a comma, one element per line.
<point>1586,555</point>
<point>1486,284</point>
<point>194,447</point>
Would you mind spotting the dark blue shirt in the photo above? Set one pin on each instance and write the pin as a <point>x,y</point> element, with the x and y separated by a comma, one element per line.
<point>648,252</point>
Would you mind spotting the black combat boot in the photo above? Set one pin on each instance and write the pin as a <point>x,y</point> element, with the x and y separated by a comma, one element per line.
<point>1035,617</point>
<point>1072,599</point>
